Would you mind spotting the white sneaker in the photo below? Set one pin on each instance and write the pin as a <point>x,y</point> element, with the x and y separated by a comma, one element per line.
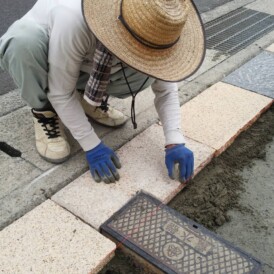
<point>104,115</point>
<point>51,142</point>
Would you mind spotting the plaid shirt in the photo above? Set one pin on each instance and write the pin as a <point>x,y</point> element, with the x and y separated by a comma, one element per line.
<point>98,81</point>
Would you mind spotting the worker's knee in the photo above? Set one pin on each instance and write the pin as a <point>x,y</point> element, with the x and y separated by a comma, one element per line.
<point>22,41</point>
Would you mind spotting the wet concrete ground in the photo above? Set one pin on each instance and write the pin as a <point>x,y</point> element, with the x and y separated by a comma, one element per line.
<point>254,230</point>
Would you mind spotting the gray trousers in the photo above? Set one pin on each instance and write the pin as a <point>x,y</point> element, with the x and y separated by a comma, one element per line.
<point>24,55</point>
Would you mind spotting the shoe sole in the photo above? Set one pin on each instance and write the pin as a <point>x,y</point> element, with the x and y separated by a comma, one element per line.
<point>101,124</point>
<point>55,161</point>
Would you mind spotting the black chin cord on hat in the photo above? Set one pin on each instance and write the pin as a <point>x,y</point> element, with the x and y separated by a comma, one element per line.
<point>133,115</point>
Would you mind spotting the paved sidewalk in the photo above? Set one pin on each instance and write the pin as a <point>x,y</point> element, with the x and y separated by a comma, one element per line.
<point>211,121</point>
<point>33,180</point>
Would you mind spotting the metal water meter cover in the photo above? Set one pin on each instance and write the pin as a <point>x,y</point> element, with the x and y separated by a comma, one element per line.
<point>164,241</point>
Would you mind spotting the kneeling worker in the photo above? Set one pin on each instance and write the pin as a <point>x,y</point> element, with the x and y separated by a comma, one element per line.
<point>103,48</point>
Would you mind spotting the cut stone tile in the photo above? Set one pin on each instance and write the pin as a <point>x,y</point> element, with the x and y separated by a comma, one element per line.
<point>10,102</point>
<point>92,202</point>
<point>271,48</point>
<point>15,172</point>
<point>51,240</point>
<point>256,75</point>
<point>6,83</point>
<point>223,9</point>
<point>218,115</point>
<point>212,58</point>
<point>207,5</point>
<point>143,168</point>
<point>262,6</point>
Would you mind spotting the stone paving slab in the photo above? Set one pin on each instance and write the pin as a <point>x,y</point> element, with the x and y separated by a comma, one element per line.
<point>6,83</point>
<point>24,198</point>
<point>256,75</point>
<point>262,6</point>
<point>51,240</point>
<point>212,58</point>
<point>207,5</point>
<point>143,168</point>
<point>10,102</point>
<point>224,9</point>
<point>218,115</point>
<point>271,48</point>
<point>15,172</point>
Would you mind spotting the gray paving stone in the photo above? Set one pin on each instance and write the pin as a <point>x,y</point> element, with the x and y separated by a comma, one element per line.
<point>6,83</point>
<point>257,75</point>
<point>16,129</point>
<point>262,6</point>
<point>267,269</point>
<point>26,197</point>
<point>224,9</point>
<point>15,172</point>
<point>10,102</point>
<point>212,58</point>
<point>207,5</point>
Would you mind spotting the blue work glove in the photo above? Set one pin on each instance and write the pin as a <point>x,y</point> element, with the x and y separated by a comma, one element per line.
<point>184,157</point>
<point>103,164</point>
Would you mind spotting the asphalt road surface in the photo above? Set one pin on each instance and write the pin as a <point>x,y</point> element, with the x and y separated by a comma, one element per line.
<point>10,11</point>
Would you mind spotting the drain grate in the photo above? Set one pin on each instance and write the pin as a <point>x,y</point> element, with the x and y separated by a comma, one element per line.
<point>238,29</point>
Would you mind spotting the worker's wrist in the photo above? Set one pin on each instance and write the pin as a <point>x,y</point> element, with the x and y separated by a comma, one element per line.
<point>171,145</point>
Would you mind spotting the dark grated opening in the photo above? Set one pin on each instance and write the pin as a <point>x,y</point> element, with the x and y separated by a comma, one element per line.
<point>237,30</point>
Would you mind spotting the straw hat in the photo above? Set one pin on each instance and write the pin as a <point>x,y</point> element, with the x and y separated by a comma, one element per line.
<point>161,38</point>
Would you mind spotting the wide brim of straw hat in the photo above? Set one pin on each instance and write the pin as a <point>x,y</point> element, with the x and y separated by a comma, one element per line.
<point>173,64</point>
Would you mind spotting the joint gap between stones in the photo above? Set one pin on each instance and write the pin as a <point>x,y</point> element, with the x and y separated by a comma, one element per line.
<point>11,111</point>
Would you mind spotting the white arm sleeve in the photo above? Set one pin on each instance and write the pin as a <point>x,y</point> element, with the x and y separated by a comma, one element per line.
<point>68,44</point>
<point>168,108</point>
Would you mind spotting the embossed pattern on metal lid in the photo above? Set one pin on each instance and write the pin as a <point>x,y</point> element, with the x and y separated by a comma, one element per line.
<point>173,243</point>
